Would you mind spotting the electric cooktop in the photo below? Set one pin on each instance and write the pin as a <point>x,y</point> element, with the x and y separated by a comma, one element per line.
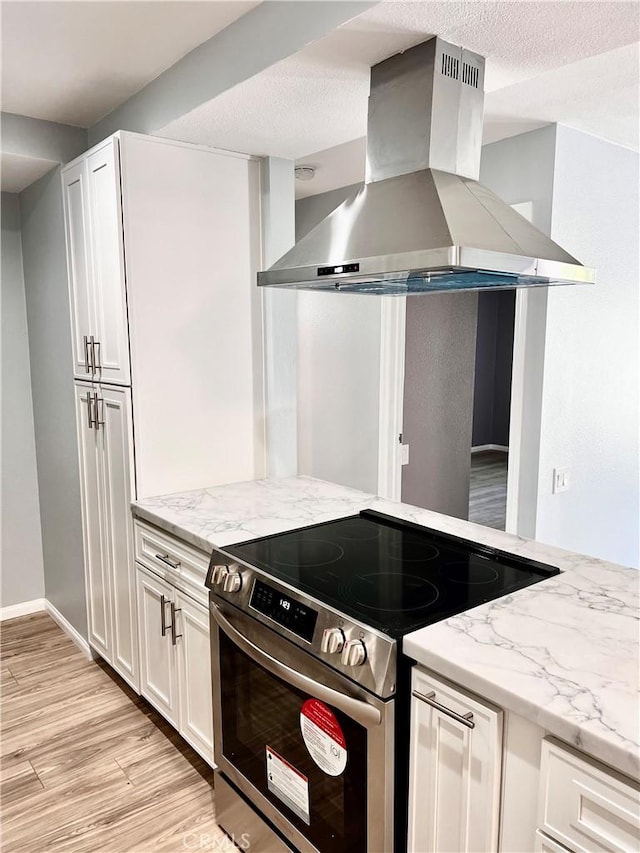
<point>393,575</point>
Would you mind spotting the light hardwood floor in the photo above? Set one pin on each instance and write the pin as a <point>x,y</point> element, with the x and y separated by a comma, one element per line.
<point>488,489</point>
<point>86,765</point>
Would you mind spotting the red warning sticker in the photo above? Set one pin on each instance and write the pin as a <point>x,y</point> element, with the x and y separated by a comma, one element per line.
<point>323,737</point>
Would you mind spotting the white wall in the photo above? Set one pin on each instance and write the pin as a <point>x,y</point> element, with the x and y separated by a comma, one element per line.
<point>338,388</point>
<point>520,170</point>
<point>22,566</point>
<point>338,374</point>
<point>591,380</point>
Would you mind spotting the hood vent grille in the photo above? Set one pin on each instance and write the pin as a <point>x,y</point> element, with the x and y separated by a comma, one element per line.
<point>422,222</point>
<point>470,75</point>
<point>450,66</point>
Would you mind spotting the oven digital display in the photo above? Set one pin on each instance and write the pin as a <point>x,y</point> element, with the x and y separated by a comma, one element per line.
<point>285,611</point>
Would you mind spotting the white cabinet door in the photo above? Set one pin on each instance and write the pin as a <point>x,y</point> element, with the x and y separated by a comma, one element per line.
<point>76,213</point>
<point>194,674</point>
<point>158,681</point>
<point>98,588</point>
<point>107,264</point>
<point>115,434</point>
<point>455,770</point>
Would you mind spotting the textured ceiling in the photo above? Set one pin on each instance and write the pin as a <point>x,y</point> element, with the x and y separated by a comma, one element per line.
<point>73,62</point>
<point>573,62</point>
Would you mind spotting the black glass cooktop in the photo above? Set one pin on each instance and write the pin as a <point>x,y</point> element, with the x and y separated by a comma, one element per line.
<point>392,575</point>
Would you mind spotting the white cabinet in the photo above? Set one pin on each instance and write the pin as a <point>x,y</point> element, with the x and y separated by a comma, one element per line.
<point>103,417</point>
<point>95,259</point>
<point>584,806</point>
<point>175,659</point>
<point>76,213</point>
<point>157,659</point>
<point>163,246</point>
<point>455,762</point>
<point>111,349</point>
<point>194,674</point>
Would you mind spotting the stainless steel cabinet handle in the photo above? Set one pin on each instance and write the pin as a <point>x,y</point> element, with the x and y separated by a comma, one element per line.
<point>163,625</point>
<point>99,411</point>
<point>89,404</point>
<point>87,363</point>
<point>465,719</point>
<point>359,711</point>
<point>174,610</point>
<point>97,349</point>
<point>175,564</point>
<point>92,350</point>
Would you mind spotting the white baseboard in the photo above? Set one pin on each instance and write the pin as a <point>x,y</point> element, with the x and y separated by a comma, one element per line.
<point>23,609</point>
<point>481,447</point>
<point>68,628</point>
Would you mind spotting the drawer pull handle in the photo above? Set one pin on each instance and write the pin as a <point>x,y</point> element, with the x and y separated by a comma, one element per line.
<point>429,699</point>
<point>163,625</point>
<point>175,564</point>
<point>174,610</point>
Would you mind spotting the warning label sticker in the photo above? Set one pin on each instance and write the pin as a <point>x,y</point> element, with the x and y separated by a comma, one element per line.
<point>323,737</point>
<point>289,784</point>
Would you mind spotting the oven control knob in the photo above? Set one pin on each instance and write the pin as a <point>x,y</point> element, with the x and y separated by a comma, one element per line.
<point>354,653</point>
<point>332,641</point>
<point>232,580</point>
<point>218,575</point>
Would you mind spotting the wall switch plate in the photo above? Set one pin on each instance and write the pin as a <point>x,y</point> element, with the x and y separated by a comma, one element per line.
<point>404,458</point>
<point>561,478</point>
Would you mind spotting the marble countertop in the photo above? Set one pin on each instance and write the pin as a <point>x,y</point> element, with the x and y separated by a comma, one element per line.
<point>563,653</point>
<point>225,515</point>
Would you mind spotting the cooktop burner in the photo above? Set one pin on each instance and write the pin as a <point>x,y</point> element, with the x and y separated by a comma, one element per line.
<point>387,592</point>
<point>392,575</point>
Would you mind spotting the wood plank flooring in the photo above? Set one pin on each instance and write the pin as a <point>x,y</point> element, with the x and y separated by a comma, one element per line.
<point>488,488</point>
<point>87,765</point>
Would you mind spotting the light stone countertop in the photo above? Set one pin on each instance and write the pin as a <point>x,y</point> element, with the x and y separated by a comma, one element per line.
<point>563,653</point>
<point>225,515</point>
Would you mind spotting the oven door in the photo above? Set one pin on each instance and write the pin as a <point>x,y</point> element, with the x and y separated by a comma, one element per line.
<point>309,749</point>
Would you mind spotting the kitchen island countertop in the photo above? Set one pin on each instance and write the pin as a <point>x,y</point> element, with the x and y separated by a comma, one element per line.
<point>563,653</point>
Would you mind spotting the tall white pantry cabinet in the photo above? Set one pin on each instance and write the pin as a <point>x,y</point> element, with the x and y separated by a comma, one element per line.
<point>163,246</point>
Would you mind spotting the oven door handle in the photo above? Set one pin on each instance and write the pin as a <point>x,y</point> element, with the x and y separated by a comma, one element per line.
<point>359,711</point>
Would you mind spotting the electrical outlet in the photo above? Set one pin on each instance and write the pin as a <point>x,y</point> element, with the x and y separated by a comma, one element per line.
<point>561,478</point>
<point>404,450</point>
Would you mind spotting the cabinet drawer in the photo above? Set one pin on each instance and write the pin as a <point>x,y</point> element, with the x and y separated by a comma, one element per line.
<point>174,560</point>
<point>585,806</point>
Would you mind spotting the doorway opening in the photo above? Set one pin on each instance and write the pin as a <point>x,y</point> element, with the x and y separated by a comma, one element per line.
<point>491,408</point>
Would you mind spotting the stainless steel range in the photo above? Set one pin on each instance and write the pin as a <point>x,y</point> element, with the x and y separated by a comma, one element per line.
<point>311,689</point>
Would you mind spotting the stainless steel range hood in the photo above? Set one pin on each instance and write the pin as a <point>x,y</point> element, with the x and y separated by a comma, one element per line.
<point>422,222</point>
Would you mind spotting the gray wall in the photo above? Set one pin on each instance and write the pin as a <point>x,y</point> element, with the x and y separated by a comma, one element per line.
<point>22,567</point>
<point>45,273</point>
<point>257,40</point>
<point>42,140</point>
<point>494,359</point>
<point>438,400</point>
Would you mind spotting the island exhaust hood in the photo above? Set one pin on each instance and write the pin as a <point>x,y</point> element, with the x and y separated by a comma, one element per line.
<point>422,222</point>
